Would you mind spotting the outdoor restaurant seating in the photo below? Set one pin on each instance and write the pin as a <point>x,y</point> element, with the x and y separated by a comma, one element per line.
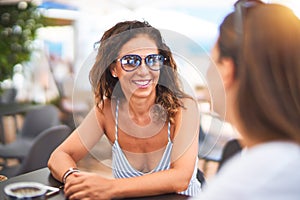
<point>40,151</point>
<point>35,121</point>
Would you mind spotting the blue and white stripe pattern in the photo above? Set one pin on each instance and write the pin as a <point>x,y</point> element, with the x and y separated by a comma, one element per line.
<point>122,168</point>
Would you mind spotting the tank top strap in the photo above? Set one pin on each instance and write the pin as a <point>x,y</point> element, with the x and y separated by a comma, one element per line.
<point>116,120</point>
<point>169,131</point>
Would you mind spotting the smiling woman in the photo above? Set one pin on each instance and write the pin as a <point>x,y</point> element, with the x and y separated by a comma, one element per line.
<point>148,119</point>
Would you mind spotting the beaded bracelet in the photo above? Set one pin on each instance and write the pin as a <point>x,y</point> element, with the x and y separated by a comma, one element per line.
<point>69,172</point>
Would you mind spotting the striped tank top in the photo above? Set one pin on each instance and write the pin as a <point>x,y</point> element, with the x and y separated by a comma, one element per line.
<point>121,167</point>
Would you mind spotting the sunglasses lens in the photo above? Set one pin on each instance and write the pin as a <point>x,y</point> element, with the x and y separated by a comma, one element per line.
<point>130,62</point>
<point>154,61</point>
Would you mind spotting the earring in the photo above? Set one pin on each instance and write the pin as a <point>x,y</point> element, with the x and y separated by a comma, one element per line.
<point>114,75</point>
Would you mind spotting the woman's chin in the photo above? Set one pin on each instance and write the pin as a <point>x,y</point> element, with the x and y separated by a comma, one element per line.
<point>141,94</point>
<point>143,91</point>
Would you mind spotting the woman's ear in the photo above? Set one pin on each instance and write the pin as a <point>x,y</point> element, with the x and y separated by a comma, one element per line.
<point>113,72</point>
<point>227,71</point>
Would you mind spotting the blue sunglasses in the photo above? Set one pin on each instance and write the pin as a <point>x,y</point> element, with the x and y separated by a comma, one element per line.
<point>131,62</point>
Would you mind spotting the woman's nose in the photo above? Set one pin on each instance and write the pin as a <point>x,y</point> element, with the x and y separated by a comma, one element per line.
<point>143,69</point>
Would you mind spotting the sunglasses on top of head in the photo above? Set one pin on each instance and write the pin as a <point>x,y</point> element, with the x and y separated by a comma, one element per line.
<point>131,62</point>
<point>240,13</point>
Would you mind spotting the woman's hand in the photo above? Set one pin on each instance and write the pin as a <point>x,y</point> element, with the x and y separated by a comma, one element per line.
<point>88,186</point>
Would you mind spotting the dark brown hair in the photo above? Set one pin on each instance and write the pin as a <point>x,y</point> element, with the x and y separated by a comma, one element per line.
<point>268,72</point>
<point>168,90</point>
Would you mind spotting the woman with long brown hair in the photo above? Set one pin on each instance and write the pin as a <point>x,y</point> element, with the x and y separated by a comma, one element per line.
<point>257,57</point>
<point>140,107</point>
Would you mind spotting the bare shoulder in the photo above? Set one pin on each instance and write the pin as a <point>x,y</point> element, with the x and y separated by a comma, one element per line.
<point>106,117</point>
<point>189,105</point>
<point>104,108</point>
<point>189,102</point>
<point>104,111</point>
<point>186,115</point>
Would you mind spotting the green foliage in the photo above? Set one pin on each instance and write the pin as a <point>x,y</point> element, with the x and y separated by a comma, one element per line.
<point>18,25</point>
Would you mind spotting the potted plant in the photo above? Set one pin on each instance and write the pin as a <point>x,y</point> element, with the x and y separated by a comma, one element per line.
<point>18,25</point>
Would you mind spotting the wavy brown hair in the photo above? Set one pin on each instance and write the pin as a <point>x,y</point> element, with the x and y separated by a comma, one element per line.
<point>267,71</point>
<point>168,90</point>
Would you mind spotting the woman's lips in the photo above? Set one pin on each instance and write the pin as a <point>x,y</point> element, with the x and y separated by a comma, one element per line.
<point>142,83</point>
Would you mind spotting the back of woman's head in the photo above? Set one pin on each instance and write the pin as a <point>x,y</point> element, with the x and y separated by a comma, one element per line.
<point>267,69</point>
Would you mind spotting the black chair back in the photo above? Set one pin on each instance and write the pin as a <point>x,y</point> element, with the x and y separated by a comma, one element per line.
<point>43,146</point>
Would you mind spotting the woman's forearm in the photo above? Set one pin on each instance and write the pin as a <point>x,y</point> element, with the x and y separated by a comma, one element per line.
<point>59,163</point>
<point>168,181</point>
<point>64,156</point>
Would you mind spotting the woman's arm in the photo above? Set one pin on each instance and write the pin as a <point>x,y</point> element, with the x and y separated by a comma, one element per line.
<point>66,156</point>
<point>76,146</point>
